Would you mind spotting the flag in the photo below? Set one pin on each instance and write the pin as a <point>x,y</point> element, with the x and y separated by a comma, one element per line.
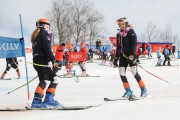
<point>11,47</point>
<point>75,56</point>
<point>113,41</point>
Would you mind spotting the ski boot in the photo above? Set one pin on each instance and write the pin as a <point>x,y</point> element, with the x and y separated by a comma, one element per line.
<point>19,75</point>
<point>68,75</point>
<point>2,77</point>
<point>37,102</point>
<point>143,91</point>
<point>49,101</point>
<point>169,64</point>
<point>128,94</point>
<point>83,74</point>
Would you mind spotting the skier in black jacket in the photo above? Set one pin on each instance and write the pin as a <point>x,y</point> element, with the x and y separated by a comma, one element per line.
<point>42,54</point>
<point>126,48</point>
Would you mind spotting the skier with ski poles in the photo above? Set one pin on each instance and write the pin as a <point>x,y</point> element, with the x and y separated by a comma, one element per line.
<point>11,62</point>
<point>42,54</point>
<point>126,48</point>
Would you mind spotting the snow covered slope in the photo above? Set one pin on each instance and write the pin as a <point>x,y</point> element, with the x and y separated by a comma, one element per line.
<point>163,102</point>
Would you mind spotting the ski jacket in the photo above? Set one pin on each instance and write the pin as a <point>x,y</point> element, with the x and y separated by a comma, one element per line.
<point>158,52</point>
<point>149,49</point>
<point>59,53</point>
<point>84,53</point>
<point>102,49</point>
<point>42,45</point>
<point>166,51</point>
<point>173,49</point>
<point>98,42</point>
<point>126,42</point>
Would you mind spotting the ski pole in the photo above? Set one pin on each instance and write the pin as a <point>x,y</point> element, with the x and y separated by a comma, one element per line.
<point>74,73</point>
<point>21,86</point>
<point>41,65</point>
<point>153,74</point>
<point>147,71</point>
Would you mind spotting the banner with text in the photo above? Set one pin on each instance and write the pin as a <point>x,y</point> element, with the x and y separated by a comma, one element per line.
<point>75,56</point>
<point>11,47</point>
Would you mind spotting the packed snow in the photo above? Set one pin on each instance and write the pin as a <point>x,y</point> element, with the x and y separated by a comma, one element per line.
<point>162,102</point>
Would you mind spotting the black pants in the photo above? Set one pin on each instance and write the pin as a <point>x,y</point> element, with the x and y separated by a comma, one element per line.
<point>44,73</point>
<point>123,64</point>
<point>166,58</point>
<point>13,65</point>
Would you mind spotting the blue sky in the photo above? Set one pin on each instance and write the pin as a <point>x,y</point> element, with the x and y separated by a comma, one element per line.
<point>138,12</point>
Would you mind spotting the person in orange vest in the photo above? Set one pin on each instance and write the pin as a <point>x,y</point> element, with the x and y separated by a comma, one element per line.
<point>59,54</point>
<point>82,63</point>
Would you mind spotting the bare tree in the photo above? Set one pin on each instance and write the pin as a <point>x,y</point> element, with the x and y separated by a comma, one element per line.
<point>74,20</point>
<point>167,34</point>
<point>94,27</point>
<point>59,18</point>
<point>81,9</point>
<point>151,32</point>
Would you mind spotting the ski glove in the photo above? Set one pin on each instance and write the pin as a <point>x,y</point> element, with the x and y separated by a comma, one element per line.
<point>115,62</point>
<point>132,58</point>
<point>55,64</point>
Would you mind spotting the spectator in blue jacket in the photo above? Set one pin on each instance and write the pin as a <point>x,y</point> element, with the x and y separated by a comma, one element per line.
<point>166,53</point>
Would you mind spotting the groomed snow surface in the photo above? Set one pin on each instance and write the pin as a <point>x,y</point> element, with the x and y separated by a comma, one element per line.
<point>162,102</point>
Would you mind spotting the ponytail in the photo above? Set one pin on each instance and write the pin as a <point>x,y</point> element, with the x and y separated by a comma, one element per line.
<point>35,34</point>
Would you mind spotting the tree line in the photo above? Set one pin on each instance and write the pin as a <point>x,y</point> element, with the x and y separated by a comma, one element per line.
<point>77,20</point>
<point>74,20</point>
<point>153,33</point>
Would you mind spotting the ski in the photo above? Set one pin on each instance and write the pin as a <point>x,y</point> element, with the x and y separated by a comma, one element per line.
<point>88,76</point>
<point>10,78</point>
<point>55,109</point>
<point>118,99</point>
<point>63,76</point>
<point>6,79</point>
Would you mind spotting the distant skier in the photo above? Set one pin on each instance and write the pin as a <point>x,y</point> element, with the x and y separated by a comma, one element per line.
<point>158,52</point>
<point>143,49</point>
<point>11,62</point>
<point>173,50</point>
<point>104,54</point>
<point>111,56</point>
<point>90,54</point>
<point>68,64</point>
<point>166,53</point>
<point>149,50</point>
<point>126,48</point>
<point>42,54</point>
<point>98,44</point>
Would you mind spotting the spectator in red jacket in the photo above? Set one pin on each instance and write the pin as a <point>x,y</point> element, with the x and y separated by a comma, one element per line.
<point>82,63</point>
<point>59,54</point>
